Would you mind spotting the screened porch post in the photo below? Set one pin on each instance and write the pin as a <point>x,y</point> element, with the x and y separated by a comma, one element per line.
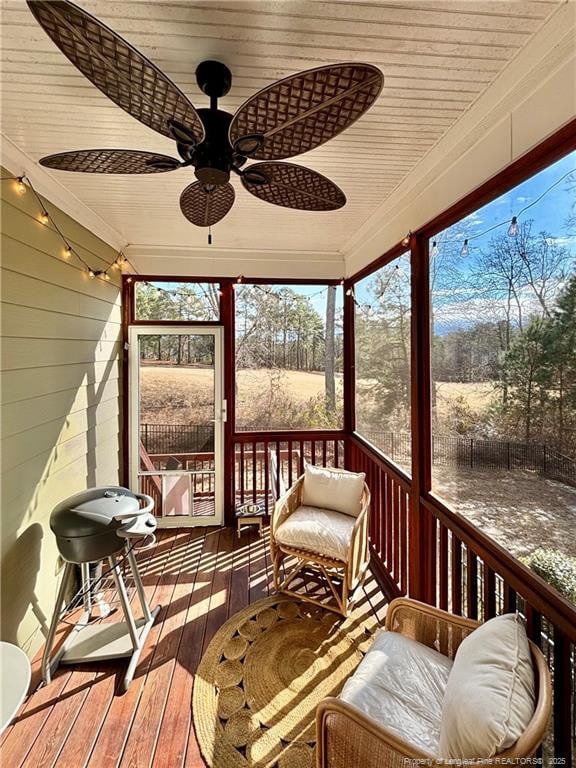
<point>421,580</point>
<point>227,318</point>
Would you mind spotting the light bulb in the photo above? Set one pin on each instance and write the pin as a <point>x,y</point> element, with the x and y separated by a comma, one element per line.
<point>67,252</point>
<point>44,218</point>
<point>105,275</point>
<point>91,274</point>
<point>406,240</point>
<point>239,279</point>
<point>513,228</point>
<point>128,279</point>
<point>434,252</point>
<point>342,281</point>
<point>349,292</point>
<point>20,186</point>
<point>465,250</point>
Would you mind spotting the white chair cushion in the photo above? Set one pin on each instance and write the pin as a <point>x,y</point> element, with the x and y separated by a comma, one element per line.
<point>400,683</point>
<point>323,531</point>
<point>489,698</point>
<point>335,489</point>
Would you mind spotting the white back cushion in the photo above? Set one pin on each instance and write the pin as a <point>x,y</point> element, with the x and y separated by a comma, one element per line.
<point>489,698</point>
<point>333,489</point>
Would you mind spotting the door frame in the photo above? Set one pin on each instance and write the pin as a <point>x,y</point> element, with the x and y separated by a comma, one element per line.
<point>220,413</point>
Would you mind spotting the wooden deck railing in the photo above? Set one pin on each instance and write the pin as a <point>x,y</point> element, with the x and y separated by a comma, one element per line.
<point>267,462</point>
<point>468,573</point>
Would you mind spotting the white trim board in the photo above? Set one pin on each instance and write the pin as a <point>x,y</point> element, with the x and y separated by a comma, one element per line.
<point>229,262</point>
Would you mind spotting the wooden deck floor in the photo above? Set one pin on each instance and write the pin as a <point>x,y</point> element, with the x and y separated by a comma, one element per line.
<point>200,577</point>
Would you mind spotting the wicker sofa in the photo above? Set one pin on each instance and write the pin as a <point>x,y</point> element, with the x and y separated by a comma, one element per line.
<point>347,736</point>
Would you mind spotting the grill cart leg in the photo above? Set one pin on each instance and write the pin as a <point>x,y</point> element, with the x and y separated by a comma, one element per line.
<point>48,666</point>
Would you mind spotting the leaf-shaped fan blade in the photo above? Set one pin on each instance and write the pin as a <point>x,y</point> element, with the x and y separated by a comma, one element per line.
<point>205,205</point>
<point>303,111</point>
<point>293,186</point>
<point>116,67</point>
<point>111,161</point>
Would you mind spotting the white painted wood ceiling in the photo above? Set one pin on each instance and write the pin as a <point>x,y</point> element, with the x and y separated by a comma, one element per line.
<point>437,58</point>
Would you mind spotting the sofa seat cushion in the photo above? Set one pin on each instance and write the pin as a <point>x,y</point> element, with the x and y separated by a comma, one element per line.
<point>400,683</point>
<point>313,529</point>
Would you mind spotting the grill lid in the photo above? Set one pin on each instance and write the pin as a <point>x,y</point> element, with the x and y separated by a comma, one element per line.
<point>93,512</point>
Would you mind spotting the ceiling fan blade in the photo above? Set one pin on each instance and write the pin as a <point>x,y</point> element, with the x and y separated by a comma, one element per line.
<point>111,161</point>
<point>115,67</point>
<point>304,110</point>
<point>205,205</point>
<point>293,186</point>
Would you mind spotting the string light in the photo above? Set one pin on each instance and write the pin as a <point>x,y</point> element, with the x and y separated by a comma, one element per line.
<point>350,292</point>
<point>513,228</point>
<point>406,240</point>
<point>465,250</point>
<point>21,184</point>
<point>239,278</point>
<point>434,252</point>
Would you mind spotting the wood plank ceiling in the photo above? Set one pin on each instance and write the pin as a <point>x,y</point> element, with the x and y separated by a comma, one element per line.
<point>437,58</point>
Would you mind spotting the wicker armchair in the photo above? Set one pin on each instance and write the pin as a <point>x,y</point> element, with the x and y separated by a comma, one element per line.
<point>342,576</point>
<point>346,737</point>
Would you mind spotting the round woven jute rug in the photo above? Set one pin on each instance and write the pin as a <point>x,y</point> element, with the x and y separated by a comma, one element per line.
<point>262,676</point>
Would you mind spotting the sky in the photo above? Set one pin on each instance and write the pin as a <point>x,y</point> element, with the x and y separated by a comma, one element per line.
<point>458,307</point>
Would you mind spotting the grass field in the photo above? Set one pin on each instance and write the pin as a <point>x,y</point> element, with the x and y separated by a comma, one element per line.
<point>179,394</point>
<point>171,393</point>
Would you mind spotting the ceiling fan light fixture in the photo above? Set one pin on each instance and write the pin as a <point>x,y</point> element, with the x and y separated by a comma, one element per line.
<point>163,163</point>
<point>248,145</point>
<point>257,178</point>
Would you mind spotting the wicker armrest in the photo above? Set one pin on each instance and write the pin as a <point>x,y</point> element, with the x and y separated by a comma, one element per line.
<point>346,737</point>
<point>359,554</point>
<point>287,504</point>
<point>431,626</point>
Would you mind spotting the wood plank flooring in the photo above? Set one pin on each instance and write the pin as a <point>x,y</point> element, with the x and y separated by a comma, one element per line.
<point>200,577</point>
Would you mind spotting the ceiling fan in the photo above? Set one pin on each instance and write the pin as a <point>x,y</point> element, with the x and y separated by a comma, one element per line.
<point>284,119</point>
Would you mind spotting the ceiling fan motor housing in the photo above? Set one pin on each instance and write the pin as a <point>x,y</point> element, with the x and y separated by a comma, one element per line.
<point>213,157</point>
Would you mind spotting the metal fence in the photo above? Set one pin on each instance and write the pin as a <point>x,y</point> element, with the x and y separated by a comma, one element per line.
<point>452,451</point>
<point>177,438</point>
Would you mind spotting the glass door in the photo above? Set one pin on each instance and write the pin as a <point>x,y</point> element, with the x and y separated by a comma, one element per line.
<point>177,415</point>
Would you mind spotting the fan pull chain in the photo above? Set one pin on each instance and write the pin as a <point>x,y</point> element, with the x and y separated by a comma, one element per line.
<point>209,235</point>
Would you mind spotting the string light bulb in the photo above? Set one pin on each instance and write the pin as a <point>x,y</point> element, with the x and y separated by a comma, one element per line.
<point>91,274</point>
<point>513,228</point>
<point>128,279</point>
<point>67,251</point>
<point>406,240</point>
<point>105,275</point>
<point>44,218</point>
<point>350,292</point>
<point>20,186</point>
<point>239,278</point>
<point>465,250</point>
<point>434,252</point>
